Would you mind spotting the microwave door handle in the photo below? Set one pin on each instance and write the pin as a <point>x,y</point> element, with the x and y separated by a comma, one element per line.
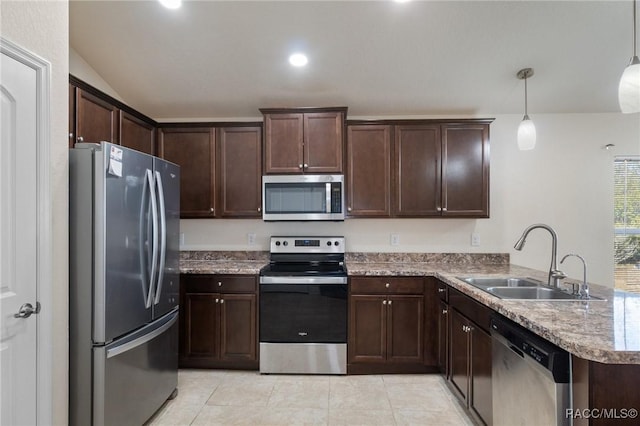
<point>328,197</point>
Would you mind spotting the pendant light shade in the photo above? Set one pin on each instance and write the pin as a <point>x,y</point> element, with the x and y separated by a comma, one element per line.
<point>526,129</point>
<point>629,88</point>
<point>526,134</point>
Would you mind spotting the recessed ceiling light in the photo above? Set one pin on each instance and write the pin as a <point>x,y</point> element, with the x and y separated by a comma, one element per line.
<point>171,4</point>
<point>298,60</point>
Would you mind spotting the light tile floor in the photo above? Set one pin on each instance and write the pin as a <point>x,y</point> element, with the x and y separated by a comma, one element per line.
<point>218,397</point>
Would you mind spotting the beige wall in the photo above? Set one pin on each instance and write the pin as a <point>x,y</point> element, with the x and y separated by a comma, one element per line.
<point>78,67</point>
<point>42,27</point>
<point>566,182</point>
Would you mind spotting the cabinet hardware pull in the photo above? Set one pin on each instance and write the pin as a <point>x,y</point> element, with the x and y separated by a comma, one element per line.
<point>259,209</point>
<point>221,301</point>
<point>445,311</point>
<point>211,209</point>
<point>219,283</point>
<point>390,301</point>
<point>80,139</point>
<point>384,302</point>
<point>306,165</point>
<point>387,285</point>
<point>70,135</point>
<point>441,290</point>
<point>300,166</point>
<point>444,209</point>
<point>348,209</point>
<point>217,300</point>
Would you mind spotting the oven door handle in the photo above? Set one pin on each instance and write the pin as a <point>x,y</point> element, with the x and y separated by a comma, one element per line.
<point>302,280</point>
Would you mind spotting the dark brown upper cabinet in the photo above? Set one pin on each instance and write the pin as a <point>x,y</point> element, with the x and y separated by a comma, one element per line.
<point>137,134</point>
<point>369,177</point>
<point>193,149</point>
<point>240,171</point>
<point>96,119</point>
<point>423,168</point>
<point>303,140</point>
<point>417,167</point>
<point>465,170</point>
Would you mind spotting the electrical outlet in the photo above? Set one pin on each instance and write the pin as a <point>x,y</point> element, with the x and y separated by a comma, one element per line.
<point>395,239</point>
<point>475,239</point>
<point>182,238</point>
<point>251,239</point>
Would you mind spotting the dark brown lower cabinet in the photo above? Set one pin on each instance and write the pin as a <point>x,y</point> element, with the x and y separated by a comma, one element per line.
<point>611,389</point>
<point>218,321</point>
<point>469,355</point>
<point>385,333</point>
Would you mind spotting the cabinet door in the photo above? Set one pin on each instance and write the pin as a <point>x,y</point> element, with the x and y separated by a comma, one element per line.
<point>238,327</point>
<point>193,149</point>
<point>283,143</point>
<point>201,326</point>
<point>240,167</point>
<point>417,170</point>
<point>481,402</point>
<point>367,329</point>
<point>137,134</point>
<point>323,142</point>
<point>459,354</point>
<point>96,119</point>
<point>443,338</point>
<point>465,170</point>
<point>369,171</point>
<point>405,319</point>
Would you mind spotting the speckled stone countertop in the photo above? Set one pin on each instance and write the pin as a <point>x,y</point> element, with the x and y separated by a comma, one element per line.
<point>606,331</point>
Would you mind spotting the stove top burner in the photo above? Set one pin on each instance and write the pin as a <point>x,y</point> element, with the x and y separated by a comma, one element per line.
<point>306,257</point>
<point>304,269</point>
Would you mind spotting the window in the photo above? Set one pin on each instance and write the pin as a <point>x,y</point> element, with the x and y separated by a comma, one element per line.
<point>626,196</point>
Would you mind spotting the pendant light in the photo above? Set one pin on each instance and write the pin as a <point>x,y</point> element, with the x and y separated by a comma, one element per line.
<point>526,129</point>
<point>629,88</point>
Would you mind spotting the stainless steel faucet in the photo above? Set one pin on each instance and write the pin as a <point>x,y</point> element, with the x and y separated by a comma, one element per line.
<point>584,287</point>
<point>554,274</point>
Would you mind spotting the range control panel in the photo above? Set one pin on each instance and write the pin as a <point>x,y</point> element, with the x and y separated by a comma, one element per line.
<point>280,244</point>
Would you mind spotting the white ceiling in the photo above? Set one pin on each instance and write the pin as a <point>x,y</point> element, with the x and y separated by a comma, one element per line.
<point>215,59</point>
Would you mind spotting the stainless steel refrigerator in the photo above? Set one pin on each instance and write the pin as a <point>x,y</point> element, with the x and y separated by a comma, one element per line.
<point>124,284</point>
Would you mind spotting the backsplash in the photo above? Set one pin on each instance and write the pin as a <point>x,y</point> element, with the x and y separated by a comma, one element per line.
<point>361,257</point>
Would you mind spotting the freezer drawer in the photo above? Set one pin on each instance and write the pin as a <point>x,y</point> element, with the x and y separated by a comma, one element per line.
<point>135,375</point>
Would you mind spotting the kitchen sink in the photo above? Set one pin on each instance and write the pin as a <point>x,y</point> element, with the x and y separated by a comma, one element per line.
<point>530,293</point>
<point>521,289</point>
<point>501,282</point>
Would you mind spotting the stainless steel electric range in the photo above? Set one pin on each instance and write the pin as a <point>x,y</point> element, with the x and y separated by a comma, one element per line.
<point>303,307</point>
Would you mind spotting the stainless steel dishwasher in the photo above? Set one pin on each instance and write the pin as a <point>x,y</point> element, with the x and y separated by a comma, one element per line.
<point>530,377</point>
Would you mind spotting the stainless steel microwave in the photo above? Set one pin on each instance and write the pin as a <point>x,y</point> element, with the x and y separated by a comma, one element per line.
<point>303,197</point>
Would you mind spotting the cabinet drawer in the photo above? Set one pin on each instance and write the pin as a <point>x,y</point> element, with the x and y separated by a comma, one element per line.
<point>471,309</point>
<point>220,283</point>
<point>387,285</point>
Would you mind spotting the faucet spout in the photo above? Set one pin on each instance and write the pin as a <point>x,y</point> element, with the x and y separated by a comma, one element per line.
<point>584,287</point>
<point>554,274</point>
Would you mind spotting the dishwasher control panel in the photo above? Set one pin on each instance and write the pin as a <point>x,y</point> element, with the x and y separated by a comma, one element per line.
<point>526,343</point>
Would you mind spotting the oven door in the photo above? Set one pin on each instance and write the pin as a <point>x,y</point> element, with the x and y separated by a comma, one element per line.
<point>303,309</point>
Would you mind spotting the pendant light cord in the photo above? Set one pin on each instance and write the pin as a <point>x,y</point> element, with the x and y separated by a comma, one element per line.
<point>526,114</point>
<point>634,29</point>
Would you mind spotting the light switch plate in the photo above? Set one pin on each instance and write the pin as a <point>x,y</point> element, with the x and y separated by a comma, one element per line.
<point>475,239</point>
<point>251,239</point>
<point>395,239</point>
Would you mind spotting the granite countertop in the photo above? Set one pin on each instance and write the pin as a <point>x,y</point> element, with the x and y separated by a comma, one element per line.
<point>606,331</point>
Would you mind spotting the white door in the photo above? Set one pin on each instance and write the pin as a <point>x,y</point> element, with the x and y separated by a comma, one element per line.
<point>18,243</point>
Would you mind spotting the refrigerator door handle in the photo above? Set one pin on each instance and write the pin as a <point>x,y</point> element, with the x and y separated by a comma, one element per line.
<point>127,346</point>
<point>141,246</point>
<point>163,237</point>
<point>154,246</point>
